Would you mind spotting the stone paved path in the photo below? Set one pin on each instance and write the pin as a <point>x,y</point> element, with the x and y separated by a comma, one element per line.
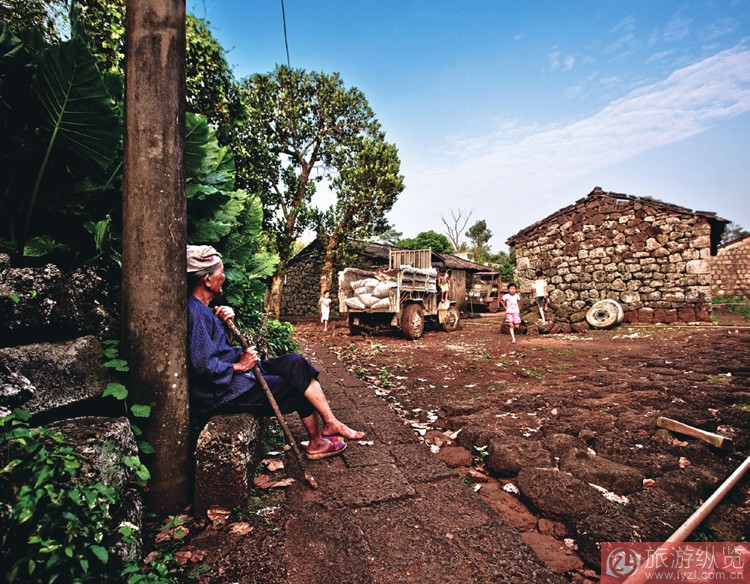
<point>391,511</point>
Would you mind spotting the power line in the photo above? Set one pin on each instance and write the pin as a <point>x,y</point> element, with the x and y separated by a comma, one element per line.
<point>286,41</point>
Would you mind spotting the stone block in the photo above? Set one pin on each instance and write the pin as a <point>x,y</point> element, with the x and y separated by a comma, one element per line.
<point>559,494</point>
<point>52,305</point>
<point>226,455</point>
<point>597,470</point>
<point>507,456</point>
<point>698,267</point>
<point>62,373</point>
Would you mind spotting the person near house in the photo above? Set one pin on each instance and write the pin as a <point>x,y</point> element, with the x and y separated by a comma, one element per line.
<point>325,308</point>
<point>511,303</point>
<point>540,289</point>
<point>221,378</point>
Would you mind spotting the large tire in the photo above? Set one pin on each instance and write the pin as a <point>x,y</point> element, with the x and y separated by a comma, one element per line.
<point>450,323</point>
<point>412,321</point>
<point>604,314</point>
<point>354,330</point>
<point>493,306</point>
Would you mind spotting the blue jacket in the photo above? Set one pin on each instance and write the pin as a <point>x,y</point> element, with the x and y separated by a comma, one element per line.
<point>211,356</point>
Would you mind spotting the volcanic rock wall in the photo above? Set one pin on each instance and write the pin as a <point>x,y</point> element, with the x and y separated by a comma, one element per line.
<point>653,258</point>
<point>730,270</point>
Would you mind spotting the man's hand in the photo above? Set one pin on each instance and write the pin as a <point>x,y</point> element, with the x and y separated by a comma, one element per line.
<point>248,360</point>
<point>225,313</point>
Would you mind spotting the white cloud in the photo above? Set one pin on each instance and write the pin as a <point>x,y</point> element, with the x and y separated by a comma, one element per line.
<point>688,102</point>
<point>677,28</point>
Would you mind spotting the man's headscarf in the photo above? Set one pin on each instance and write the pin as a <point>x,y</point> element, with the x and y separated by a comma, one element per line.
<point>201,257</point>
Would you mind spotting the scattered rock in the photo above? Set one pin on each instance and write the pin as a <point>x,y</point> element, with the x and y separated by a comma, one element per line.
<point>559,494</point>
<point>455,456</point>
<point>552,552</point>
<point>553,528</point>
<point>507,456</point>
<point>559,444</point>
<point>597,470</point>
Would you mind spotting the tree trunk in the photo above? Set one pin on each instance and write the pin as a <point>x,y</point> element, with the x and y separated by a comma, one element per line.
<point>326,272</point>
<point>274,296</point>
<point>153,241</point>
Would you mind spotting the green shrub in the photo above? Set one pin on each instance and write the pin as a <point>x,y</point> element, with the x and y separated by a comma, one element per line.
<point>58,526</point>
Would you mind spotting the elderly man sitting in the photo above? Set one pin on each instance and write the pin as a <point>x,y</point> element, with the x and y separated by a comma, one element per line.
<point>220,373</point>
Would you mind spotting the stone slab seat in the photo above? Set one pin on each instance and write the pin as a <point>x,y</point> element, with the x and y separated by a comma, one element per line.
<point>226,454</point>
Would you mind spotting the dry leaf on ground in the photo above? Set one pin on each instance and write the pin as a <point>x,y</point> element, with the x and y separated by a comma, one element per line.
<point>241,528</point>
<point>217,515</point>
<point>264,482</point>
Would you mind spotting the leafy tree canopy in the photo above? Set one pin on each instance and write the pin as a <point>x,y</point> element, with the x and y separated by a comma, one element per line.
<point>315,128</point>
<point>45,16</point>
<point>480,235</point>
<point>437,241</point>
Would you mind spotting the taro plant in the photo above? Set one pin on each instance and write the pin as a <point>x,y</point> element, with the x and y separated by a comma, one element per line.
<point>60,141</point>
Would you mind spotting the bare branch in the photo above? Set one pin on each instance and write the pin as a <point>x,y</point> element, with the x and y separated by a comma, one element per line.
<point>458,222</point>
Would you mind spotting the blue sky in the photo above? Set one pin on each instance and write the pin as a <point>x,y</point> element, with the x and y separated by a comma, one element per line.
<point>515,109</point>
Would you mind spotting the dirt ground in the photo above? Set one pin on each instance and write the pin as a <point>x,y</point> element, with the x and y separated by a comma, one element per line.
<point>585,404</point>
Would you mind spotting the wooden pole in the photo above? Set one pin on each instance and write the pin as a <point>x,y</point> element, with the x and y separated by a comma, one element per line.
<point>669,547</point>
<point>153,238</point>
<point>275,407</point>
<point>709,437</point>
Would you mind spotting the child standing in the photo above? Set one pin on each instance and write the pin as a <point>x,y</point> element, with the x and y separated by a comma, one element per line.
<point>540,287</point>
<point>325,308</point>
<point>511,304</point>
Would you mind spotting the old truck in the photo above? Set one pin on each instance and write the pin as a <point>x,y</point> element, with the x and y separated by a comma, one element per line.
<point>485,292</point>
<point>404,296</point>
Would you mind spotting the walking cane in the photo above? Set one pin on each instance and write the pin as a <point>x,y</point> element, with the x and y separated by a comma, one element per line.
<point>279,416</point>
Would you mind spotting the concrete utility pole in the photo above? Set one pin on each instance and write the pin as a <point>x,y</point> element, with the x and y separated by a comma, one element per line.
<point>153,241</point>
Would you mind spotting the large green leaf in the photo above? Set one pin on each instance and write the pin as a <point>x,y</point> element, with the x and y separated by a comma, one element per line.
<point>77,108</point>
<point>201,147</point>
<point>10,45</point>
<point>78,120</point>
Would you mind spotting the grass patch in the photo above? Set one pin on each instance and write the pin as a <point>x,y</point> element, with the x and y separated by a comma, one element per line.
<point>730,300</point>
<point>533,373</point>
<point>720,378</point>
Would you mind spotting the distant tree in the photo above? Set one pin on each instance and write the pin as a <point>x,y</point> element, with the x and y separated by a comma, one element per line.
<point>503,263</point>
<point>389,236</point>
<point>314,127</point>
<point>456,225</point>
<point>479,235</point>
<point>42,15</point>
<point>366,187</point>
<point>209,84</point>
<point>436,241</point>
<point>733,232</point>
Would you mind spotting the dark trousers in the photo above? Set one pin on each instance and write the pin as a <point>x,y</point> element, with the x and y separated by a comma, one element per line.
<point>288,377</point>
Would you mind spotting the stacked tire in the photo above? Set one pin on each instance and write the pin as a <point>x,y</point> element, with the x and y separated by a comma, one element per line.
<point>605,314</point>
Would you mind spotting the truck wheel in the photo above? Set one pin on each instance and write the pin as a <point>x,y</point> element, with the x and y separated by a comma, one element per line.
<point>493,306</point>
<point>412,321</point>
<point>604,314</point>
<point>354,330</point>
<point>450,323</point>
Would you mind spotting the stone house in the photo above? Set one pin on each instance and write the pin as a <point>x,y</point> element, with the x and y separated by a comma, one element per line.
<point>730,270</point>
<point>302,275</point>
<point>654,258</point>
